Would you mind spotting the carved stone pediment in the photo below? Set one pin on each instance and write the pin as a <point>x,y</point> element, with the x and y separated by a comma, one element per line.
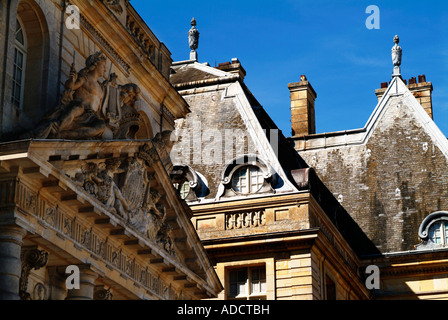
<point>126,187</point>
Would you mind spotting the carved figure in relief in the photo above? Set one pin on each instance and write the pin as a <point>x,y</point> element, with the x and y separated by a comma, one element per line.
<point>110,193</point>
<point>131,197</point>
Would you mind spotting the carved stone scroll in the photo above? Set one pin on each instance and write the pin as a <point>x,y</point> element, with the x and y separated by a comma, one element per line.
<point>31,259</point>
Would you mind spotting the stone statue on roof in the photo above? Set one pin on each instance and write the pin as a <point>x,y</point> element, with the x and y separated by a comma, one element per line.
<point>396,56</point>
<point>396,52</point>
<point>193,35</point>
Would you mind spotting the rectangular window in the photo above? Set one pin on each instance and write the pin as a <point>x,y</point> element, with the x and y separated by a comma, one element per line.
<point>247,283</point>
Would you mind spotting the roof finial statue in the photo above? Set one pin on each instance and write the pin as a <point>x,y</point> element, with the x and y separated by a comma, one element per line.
<point>396,56</point>
<point>193,40</point>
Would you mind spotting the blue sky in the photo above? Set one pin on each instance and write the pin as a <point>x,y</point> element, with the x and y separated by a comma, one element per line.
<point>328,41</point>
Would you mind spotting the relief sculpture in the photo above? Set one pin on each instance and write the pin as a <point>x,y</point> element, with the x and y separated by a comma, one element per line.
<point>124,187</point>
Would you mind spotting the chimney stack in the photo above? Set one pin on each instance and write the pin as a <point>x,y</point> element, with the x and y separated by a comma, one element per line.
<point>303,96</point>
<point>421,89</point>
<point>234,67</point>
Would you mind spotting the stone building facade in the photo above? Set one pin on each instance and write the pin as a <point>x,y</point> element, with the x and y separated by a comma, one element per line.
<point>372,197</point>
<point>86,114</point>
<point>91,180</point>
<point>270,226</point>
<point>391,176</point>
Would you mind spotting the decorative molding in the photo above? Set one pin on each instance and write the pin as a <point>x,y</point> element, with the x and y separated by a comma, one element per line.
<point>140,37</point>
<point>104,43</point>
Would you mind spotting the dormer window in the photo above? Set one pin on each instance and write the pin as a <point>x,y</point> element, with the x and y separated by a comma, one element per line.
<point>248,179</point>
<point>438,233</point>
<point>434,231</point>
<point>247,175</point>
<point>189,184</point>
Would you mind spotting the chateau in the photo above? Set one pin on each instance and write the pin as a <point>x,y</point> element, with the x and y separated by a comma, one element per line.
<point>160,180</point>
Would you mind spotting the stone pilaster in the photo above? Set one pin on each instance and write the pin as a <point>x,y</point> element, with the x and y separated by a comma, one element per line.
<point>11,240</point>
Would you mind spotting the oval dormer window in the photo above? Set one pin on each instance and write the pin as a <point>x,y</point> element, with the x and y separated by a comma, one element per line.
<point>247,179</point>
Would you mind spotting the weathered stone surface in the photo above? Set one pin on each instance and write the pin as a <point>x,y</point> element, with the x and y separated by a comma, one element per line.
<point>391,182</point>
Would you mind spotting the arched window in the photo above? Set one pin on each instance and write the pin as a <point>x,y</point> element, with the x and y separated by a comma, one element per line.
<point>247,175</point>
<point>32,91</point>
<point>20,55</point>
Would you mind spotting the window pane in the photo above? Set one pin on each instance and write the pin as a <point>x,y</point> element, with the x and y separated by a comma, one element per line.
<point>233,290</point>
<point>255,287</point>
<point>435,234</point>
<point>256,179</point>
<point>263,286</point>
<point>239,181</point>
<point>242,276</point>
<point>232,276</point>
<point>242,289</point>
<point>255,274</point>
<point>17,90</point>
<point>18,76</point>
<point>19,33</point>
<point>19,59</point>
<point>445,226</point>
<point>19,37</point>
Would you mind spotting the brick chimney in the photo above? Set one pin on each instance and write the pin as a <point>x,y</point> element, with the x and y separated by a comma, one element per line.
<point>421,89</point>
<point>233,67</point>
<point>303,96</point>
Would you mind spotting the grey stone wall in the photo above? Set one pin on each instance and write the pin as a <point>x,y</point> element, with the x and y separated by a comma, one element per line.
<point>392,182</point>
